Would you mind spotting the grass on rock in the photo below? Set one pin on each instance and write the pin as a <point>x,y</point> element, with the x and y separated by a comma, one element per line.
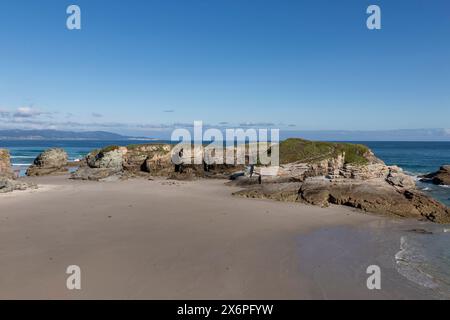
<point>294,149</point>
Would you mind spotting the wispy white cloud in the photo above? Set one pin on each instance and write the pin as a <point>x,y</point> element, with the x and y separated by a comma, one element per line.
<point>26,112</point>
<point>257,124</point>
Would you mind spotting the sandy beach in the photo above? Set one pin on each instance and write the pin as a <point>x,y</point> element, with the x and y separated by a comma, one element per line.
<point>165,239</point>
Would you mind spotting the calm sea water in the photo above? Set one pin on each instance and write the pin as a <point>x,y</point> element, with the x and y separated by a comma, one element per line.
<point>414,157</point>
<point>417,158</point>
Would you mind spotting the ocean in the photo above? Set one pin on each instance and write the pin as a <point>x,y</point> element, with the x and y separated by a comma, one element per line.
<point>417,158</point>
<point>421,259</point>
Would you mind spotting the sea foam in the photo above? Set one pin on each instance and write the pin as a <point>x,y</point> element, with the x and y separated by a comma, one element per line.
<point>409,261</point>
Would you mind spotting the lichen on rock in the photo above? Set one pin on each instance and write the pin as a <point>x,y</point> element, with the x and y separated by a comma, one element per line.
<point>50,162</point>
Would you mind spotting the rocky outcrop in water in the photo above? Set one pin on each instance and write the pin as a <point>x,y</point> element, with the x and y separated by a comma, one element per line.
<point>440,177</point>
<point>50,162</point>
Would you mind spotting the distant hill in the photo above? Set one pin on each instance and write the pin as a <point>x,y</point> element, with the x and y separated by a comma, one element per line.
<point>17,134</point>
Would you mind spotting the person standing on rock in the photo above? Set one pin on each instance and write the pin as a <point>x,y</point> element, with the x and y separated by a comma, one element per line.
<point>179,167</point>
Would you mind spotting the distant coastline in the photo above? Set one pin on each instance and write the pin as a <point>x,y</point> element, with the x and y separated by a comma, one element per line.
<point>410,135</point>
<point>73,139</point>
<point>18,134</point>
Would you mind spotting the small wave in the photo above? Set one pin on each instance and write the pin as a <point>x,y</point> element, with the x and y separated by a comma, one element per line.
<point>426,189</point>
<point>21,164</point>
<point>22,157</point>
<point>409,261</point>
<point>414,175</point>
<point>444,186</point>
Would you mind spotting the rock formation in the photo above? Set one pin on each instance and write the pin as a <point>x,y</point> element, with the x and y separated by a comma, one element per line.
<point>124,162</point>
<point>101,164</point>
<point>50,162</point>
<point>9,185</point>
<point>5,165</point>
<point>318,173</point>
<point>367,184</point>
<point>148,159</point>
<point>397,178</point>
<point>375,195</point>
<point>108,158</point>
<point>440,177</point>
<point>151,158</point>
<point>8,182</point>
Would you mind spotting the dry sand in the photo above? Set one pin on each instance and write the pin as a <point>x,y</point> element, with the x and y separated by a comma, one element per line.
<point>160,239</point>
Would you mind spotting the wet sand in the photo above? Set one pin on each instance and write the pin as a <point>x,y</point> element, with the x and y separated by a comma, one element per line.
<point>411,256</point>
<point>163,239</point>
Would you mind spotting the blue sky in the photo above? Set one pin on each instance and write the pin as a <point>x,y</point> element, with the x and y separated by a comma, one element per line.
<point>140,66</point>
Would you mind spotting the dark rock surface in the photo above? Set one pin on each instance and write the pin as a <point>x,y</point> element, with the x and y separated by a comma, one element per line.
<point>440,177</point>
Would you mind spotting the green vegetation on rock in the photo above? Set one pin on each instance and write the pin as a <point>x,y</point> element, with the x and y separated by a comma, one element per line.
<point>108,149</point>
<point>294,149</point>
<point>158,147</point>
<point>4,155</point>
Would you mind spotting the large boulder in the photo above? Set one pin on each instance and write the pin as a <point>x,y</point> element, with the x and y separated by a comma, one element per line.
<point>6,185</point>
<point>50,162</point>
<point>398,179</point>
<point>150,158</point>
<point>5,165</point>
<point>101,164</point>
<point>8,182</point>
<point>440,177</point>
<point>110,157</point>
